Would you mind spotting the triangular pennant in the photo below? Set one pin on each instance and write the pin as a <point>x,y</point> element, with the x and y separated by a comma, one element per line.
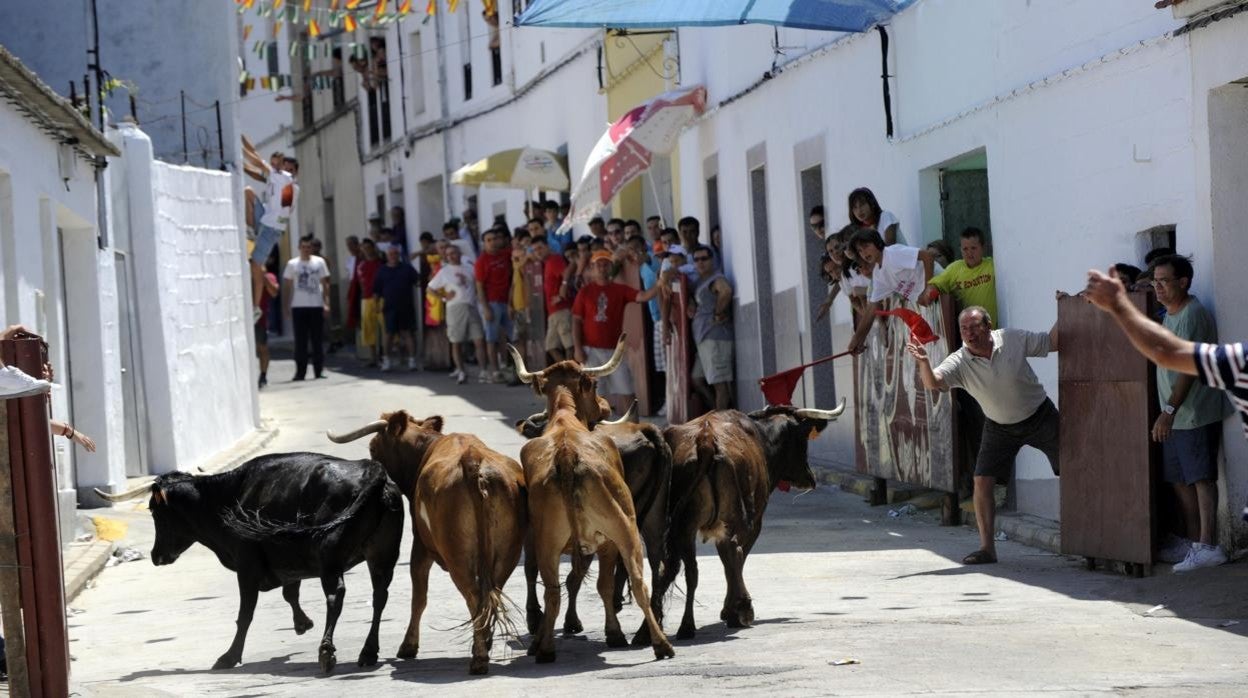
<point>405,7</point>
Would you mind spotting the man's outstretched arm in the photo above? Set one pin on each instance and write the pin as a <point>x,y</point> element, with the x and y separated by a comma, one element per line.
<point>1158,344</point>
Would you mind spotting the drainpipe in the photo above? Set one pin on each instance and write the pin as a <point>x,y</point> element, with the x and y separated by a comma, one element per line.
<point>888,100</point>
<point>444,96</point>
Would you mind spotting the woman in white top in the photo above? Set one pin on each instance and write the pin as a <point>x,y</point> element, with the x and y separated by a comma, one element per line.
<point>865,212</point>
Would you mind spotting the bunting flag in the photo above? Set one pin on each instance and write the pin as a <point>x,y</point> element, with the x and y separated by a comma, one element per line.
<point>348,23</point>
<point>381,9</point>
<point>314,29</point>
<point>352,4</point>
<point>277,5</point>
<point>246,32</point>
<point>451,5</point>
<point>333,5</point>
<point>405,7</point>
<point>307,6</point>
<point>491,8</point>
<point>432,7</point>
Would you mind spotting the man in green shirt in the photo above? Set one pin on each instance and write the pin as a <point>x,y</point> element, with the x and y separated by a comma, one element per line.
<point>1189,424</point>
<point>972,280</point>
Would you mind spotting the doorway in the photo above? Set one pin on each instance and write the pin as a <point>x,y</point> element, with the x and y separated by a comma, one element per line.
<point>964,199</point>
<point>135,412</point>
<point>811,182</point>
<point>763,288</point>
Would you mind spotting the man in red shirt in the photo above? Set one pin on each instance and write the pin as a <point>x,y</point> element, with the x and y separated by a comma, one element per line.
<point>598,322</point>
<point>372,334</point>
<point>558,294</point>
<point>493,274</point>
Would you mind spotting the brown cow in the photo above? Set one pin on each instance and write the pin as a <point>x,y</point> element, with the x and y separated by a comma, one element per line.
<point>579,503</point>
<point>468,507</point>
<point>648,472</point>
<point>725,465</point>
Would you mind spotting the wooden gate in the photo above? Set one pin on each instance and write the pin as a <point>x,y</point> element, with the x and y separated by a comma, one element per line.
<point>1109,464</point>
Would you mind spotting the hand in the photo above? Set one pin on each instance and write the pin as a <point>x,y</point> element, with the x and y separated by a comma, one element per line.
<point>928,296</point>
<point>667,337</point>
<point>16,332</point>
<point>691,310</point>
<point>917,350</point>
<point>856,346</point>
<point>85,441</point>
<point>325,308</point>
<point>1105,292</point>
<point>1162,427</point>
<point>487,313</point>
<point>579,354</point>
<point>824,307</point>
<point>448,294</point>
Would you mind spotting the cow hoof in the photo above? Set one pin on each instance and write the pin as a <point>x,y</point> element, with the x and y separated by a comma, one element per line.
<point>407,651</point>
<point>573,626</point>
<point>745,613</point>
<point>532,652</point>
<point>664,650</point>
<point>368,658</point>
<point>686,633</point>
<point>642,638</point>
<point>226,662</point>
<point>328,660</point>
<point>616,639</point>
<point>545,657</point>
<point>303,625</point>
<point>534,619</point>
<point>479,666</point>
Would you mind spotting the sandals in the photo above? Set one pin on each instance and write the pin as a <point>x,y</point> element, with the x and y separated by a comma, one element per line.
<point>979,557</point>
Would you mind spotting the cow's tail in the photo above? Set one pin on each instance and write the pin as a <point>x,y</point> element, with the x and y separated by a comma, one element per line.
<point>566,460</point>
<point>492,609</point>
<point>254,526</point>
<point>706,450</point>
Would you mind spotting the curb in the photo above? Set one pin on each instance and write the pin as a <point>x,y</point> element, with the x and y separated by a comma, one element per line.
<point>1029,530</point>
<point>862,485</point>
<point>83,561</point>
<point>243,449</point>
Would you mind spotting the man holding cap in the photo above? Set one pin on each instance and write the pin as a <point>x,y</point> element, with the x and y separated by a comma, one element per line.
<point>598,322</point>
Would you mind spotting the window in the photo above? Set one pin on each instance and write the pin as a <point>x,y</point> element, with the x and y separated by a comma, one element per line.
<point>467,82</point>
<point>383,103</point>
<point>496,49</point>
<point>465,43</point>
<point>374,125</point>
<point>418,75</point>
<point>271,58</point>
<point>336,81</point>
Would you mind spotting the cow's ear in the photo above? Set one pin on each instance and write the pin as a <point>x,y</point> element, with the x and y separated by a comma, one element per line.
<point>396,423</point>
<point>434,423</point>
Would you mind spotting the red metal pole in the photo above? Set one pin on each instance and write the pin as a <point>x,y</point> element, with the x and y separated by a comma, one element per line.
<point>38,529</point>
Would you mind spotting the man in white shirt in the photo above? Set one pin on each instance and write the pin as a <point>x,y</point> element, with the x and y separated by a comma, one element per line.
<point>456,283</point>
<point>306,281</point>
<point>894,270</point>
<point>992,367</point>
<point>455,236</point>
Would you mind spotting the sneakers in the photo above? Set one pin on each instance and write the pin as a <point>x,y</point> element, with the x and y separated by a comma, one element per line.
<point>411,363</point>
<point>1201,555</point>
<point>385,363</point>
<point>454,373</point>
<point>461,377</point>
<point>15,384</point>
<point>491,377</point>
<point>1174,550</point>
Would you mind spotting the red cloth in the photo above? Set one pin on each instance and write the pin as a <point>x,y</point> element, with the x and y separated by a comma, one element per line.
<point>365,273</point>
<point>919,329</point>
<point>552,279</point>
<point>493,270</point>
<point>265,298</point>
<point>778,388</point>
<point>601,310</point>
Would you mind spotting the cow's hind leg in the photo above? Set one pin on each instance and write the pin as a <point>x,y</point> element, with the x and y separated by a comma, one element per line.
<point>572,621</point>
<point>420,564</point>
<point>642,636</point>
<point>532,607</point>
<point>621,531</point>
<point>248,592</point>
<point>303,623</point>
<point>382,556</point>
<point>335,589</point>
<point>738,610</point>
<point>607,558</point>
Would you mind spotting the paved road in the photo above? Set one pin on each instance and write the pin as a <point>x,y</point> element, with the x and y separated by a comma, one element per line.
<point>832,578</point>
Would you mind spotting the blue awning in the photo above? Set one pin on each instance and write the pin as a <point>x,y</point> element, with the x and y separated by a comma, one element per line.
<point>830,15</point>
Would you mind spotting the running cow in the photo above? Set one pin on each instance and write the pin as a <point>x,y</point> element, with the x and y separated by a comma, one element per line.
<point>468,509</point>
<point>279,519</point>
<point>579,501</point>
<point>725,465</point>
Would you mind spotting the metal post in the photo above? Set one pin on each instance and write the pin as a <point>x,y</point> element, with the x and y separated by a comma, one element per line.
<point>185,153</point>
<point>10,583</point>
<point>220,136</point>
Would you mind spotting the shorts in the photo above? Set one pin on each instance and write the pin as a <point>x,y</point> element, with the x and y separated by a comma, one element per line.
<point>1191,455</point>
<point>1001,442</point>
<point>714,361</point>
<point>619,381</point>
<point>370,321</point>
<point>522,326</point>
<point>266,238</point>
<point>463,322</point>
<point>399,319</point>
<point>559,330</point>
<point>660,351</point>
<point>262,334</point>
<point>500,329</point>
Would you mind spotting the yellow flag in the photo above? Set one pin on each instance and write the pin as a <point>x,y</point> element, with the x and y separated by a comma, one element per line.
<point>314,30</point>
<point>348,23</point>
<point>352,4</point>
<point>432,7</point>
<point>405,7</point>
<point>381,9</point>
<point>277,5</point>
<point>307,6</point>
<point>451,5</point>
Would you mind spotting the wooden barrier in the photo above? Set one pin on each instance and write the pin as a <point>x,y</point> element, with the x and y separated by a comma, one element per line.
<point>679,353</point>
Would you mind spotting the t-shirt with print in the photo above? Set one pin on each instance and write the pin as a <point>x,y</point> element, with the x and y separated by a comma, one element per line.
<point>279,198</point>
<point>493,270</point>
<point>1203,405</point>
<point>971,286</point>
<point>899,272</point>
<point>1225,367</point>
<point>601,310</point>
<point>306,278</point>
<point>458,278</point>
<point>552,278</point>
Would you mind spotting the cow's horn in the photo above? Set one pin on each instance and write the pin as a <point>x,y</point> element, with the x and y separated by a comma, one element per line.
<point>612,364</point>
<point>628,415</point>
<point>811,413</point>
<point>135,493</point>
<point>370,428</point>
<point>537,418</point>
<point>521,371</point>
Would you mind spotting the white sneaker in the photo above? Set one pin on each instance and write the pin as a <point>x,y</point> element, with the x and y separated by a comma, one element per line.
<point>385,363</point>
<point>461,377</point>
<point>14,384</point>
<point>1201,555</point>
<point>454,373</point>
<point>411,363</point>
<point>1174,550</point>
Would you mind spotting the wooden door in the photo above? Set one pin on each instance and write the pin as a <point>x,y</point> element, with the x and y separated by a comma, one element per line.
<point>1109,466</point>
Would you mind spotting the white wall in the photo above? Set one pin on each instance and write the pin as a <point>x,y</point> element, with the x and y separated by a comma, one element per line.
<point>193,299</point>
<point>1086,112</point>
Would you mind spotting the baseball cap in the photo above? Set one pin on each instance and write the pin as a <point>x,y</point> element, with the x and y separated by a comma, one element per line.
<point>601,256</point>
<point>676,249</point>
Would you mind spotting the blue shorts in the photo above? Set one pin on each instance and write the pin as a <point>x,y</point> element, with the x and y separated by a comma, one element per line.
<point>266,238</point>
<point>500,329</point>
<point>1191,455</point>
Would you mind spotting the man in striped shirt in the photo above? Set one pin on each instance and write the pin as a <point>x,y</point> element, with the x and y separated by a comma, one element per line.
<point>1222,366</point>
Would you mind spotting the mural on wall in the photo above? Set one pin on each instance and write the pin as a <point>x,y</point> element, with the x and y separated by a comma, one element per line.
<point>904,432</point>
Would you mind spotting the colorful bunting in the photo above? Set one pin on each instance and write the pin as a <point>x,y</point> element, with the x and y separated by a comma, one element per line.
<point>307,6</point>
<point>381,9</point>
<point>405,7</point>
<point>314,30</point>
<point>348,23</point>
<point>451,5</point>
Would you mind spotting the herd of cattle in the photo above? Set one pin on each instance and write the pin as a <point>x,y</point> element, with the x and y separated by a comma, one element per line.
<point>584,486</point>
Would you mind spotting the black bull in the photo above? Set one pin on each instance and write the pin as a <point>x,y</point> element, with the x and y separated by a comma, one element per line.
<point>279,519</point>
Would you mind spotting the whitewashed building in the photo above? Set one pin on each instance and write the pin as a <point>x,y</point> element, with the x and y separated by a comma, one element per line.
<point>1091,130</point>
